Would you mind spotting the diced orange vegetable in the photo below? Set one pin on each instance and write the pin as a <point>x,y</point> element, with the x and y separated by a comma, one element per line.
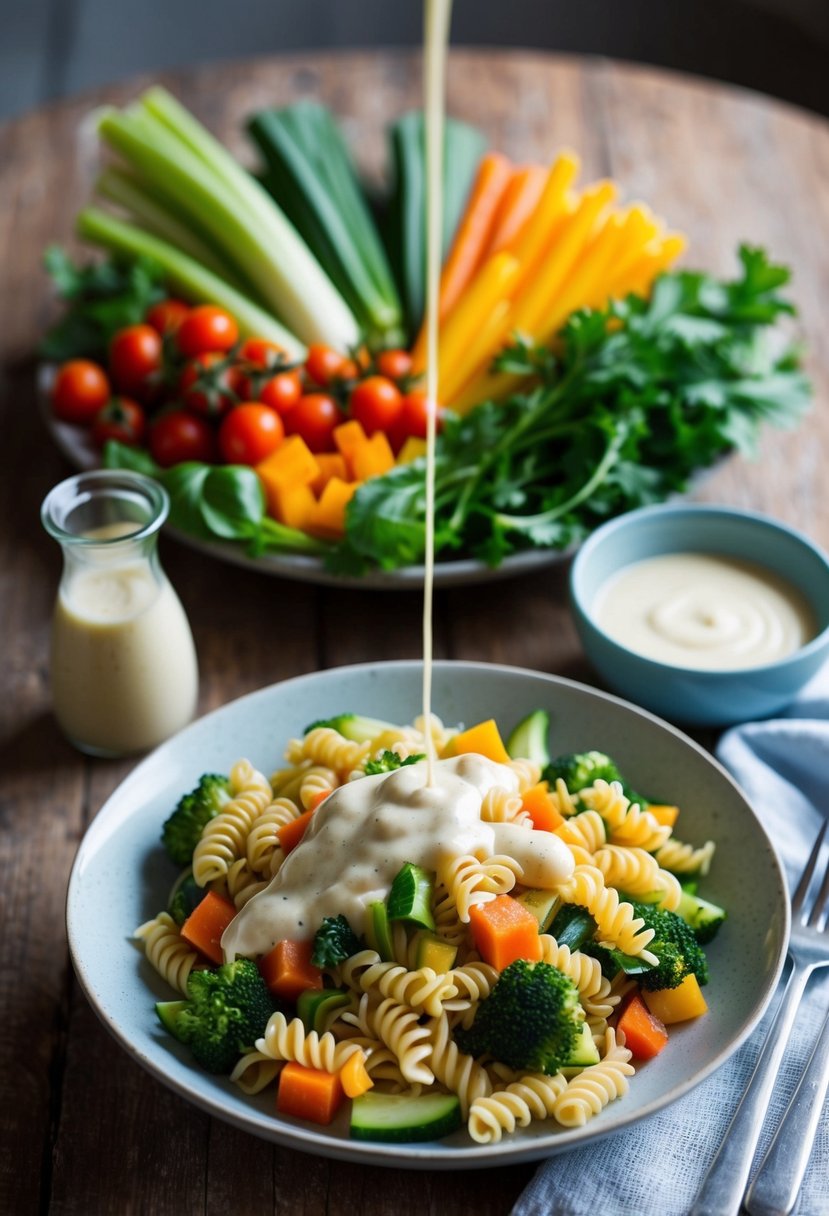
<point>330,464</point>
<point>374,458</point>
<point>291,833</point>
<point>292,464</point>
<point>411,450</point>
<point>645,1035</point>
<point>327,518</point>
<point>349,438</point>
<point>317,798</point>
<point>292,505</point>
<point>309,1093</point>
<point>484,740</point>
<point>207,922</point>
<point>354,1075</point>
<point>663,814</point>
<point>288,970</point>
<point>540,804</point>
<point>503,930</point>
<point>677,1004</point>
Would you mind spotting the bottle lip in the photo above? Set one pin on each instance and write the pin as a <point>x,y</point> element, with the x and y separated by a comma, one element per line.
<point>67,496</point>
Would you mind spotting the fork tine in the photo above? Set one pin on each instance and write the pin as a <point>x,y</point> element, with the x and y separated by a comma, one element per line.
<point>806,878</point>
<point>817,917</point>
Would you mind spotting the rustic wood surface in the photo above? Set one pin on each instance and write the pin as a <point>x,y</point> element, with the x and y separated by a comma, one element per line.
<point>83,1129</point>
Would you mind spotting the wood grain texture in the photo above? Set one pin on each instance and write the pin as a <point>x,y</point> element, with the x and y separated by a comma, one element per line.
<point>84,1130</point>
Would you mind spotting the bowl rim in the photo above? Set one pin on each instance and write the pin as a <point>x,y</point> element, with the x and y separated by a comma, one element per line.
<point>631,519</point>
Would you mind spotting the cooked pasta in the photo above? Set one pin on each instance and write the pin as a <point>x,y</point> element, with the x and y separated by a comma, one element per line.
<point>284,1040</point>
<point>471,880</point>
<point>595,1086</point>
<point>627,823</point>
<point>224,838</point>
<point>585,972</point>
<point>461,1074</point>
<point>616,919</point>
<point>262,847</point>
<point>500,806</point>
<point>682,858</point>
<point>167,951</point>
<point>533,1096</point>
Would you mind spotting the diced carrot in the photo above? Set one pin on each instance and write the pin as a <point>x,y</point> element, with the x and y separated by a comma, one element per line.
<point>677,1004</point>
<point>327,517</point>
<point>484,740</point>
<point>293,463</point>
<point>317,798</point>
<point>517,203</point>
<point>541,807</point>
<point>291,833</point>
<point>373,458</point>
<point>354,1075</point>
<point>288,970</point>
<point>503,930</point>
<point>330,464</point>
<point>292,505</point>
<point>309,1093</point>
<point>644,1034</point>
<point>207,922</point>
<point>663,814</point>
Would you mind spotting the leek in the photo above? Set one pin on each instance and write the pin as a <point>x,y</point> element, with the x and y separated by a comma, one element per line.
<point>189,172</point>
<point>185,276</point>
<point>309,172</point>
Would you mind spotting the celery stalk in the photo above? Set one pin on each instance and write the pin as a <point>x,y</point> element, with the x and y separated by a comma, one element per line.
<point>227,204</point>
<point>185,276</point>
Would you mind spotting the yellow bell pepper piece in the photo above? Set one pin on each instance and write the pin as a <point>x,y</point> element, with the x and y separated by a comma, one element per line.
<point>484,740</point>
<point>677,1004</point>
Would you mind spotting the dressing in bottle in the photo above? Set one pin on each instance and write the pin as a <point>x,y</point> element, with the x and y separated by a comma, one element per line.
<point>123,667</point>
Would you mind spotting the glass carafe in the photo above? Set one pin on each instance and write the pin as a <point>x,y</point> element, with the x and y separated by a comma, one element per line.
<point>123,667</point>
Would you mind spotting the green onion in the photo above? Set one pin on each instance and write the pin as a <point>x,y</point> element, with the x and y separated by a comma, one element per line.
<point>189,173</point>
<point>310,174</point>
<point>185,276</point>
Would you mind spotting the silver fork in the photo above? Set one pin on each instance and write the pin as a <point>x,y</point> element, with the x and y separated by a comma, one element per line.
<point>722,1189</point>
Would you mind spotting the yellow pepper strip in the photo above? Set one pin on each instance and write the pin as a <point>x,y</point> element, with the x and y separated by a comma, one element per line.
<point>532,239</point>
<point>491,285</point>
<point>477,357</point>
<point>655,258</point>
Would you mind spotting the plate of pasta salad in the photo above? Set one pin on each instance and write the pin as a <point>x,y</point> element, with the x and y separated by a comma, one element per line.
<point>531,921</point>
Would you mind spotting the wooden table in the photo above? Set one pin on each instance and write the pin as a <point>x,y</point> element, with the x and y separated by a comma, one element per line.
<point>84,1129</point>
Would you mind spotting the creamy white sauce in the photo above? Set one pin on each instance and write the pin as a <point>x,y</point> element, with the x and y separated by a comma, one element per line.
<point>123,669</point>
<point>704,611</point>
<point>364,832</point>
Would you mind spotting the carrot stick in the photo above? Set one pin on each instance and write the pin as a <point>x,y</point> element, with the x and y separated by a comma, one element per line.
<point>207,922</point>
<point>518,202</point>
<point>533,237</point>
<point>490,287</point>
<point>291,833</point>
<point>504,930</point>
<point>308,1093</point>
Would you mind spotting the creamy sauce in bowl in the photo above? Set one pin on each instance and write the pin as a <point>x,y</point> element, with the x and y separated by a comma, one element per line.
<point>704,611</point>
<point>365,831</point>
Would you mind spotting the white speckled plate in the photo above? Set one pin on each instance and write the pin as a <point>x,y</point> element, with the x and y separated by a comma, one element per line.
<point>121,878</point>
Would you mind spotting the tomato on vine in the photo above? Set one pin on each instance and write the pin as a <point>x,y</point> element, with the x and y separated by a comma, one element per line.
<point>415,413</point>
<point>376,403</point>
<point>208,384</point>
<point>394,364</point>
<point>249,433</point>
<point>206,328</point>
<point>314,418</point>
<point>180,435</point>
<point>135,359</point>
<point>167,315</point>
<point>120,419</point>
<point>324,364</point>
<point>80,390</point>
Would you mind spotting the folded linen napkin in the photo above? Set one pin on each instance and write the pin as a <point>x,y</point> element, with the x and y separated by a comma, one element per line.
<point>658,1166</point>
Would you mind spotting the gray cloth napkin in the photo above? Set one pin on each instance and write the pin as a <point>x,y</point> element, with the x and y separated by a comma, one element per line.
<point>657,1167</point>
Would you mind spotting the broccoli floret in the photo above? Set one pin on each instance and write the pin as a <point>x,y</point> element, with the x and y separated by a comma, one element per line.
<point>335,941</point>
<point>185,897</point>
<point>182,831</point>
<point>580,769</point>
<point>353,726</point>
<point>390,761</point>
<point>531,1019</point>
<point>675,945</point>
<point>227,1011</point>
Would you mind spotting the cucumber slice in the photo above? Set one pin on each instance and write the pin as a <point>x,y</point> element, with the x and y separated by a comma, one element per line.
<point>529,740</point>
<point>435,952</point>
<point>573,926</point>
<point>410,897</point>
<point>704,918</point>
<point>398,1118</point>
<point>378,931</point>
<point>313,1006</point>
<point>168,1012</point>
<point>542,904</point>
<point>584,1053</point>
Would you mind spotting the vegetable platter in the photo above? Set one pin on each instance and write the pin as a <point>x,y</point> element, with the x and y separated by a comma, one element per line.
<point>256,342</point>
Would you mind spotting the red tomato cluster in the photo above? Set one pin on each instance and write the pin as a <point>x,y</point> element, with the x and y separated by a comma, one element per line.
<point>184,384</point>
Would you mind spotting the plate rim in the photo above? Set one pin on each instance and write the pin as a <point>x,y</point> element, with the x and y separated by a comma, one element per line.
<point>510,1150</point>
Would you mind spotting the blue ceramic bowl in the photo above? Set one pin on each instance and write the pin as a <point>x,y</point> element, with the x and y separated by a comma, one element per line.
<point>710,698</point>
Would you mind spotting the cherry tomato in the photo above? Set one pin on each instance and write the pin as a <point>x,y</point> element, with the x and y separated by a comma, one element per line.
<point>135,359</point>
<point>206,328</point>
<point>120,419</point>
<point>249,433</point>
<point>313,418</point>
<point>208,385</point>
<point>180,435</point>
<point>394,364</point>
<point>415,413</point>
<point>262,352</point>
<point>323,364</point>
<point>282,392</point>
<point>376,403</point>
<point>167,315</point>
<point>80,390</point>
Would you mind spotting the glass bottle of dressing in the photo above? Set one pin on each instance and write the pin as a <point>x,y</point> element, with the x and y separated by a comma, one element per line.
<point>123,668</point>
